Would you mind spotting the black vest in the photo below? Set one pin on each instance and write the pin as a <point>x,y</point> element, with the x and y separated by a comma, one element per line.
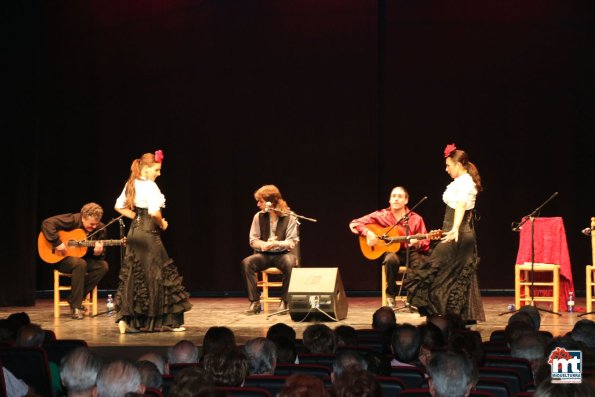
<point>264,222</point>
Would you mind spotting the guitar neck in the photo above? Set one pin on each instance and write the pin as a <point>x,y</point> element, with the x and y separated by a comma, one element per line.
<point>91,243</point>
<point>422,236</point>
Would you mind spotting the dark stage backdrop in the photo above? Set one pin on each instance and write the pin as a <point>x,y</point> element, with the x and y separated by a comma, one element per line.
<point>333,101</point>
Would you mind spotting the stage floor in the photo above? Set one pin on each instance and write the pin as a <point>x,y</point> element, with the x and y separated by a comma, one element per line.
<point>206,312</point>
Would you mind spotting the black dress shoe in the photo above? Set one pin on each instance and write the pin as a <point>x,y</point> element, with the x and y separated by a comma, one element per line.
<point>77,314</point>
<point>254,308</point>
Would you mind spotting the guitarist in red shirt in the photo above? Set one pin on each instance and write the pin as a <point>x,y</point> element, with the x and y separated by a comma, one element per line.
<point>390,223</point>
<point>86,270</point>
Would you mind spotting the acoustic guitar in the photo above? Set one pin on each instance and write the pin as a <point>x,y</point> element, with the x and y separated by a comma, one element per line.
<point>76,245</point>
<point>391,240</point>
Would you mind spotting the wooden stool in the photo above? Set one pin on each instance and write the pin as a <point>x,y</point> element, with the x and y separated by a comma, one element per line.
<point>90,301</point>
<point>264,283</point>
<point>525,282</point>
<point>384,282</point>
<point>590,284</point>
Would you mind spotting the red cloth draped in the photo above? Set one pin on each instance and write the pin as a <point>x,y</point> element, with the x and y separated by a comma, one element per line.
<point>550,246</point>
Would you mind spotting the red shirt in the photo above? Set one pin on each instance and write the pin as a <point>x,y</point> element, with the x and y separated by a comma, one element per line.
<point>385,218</point>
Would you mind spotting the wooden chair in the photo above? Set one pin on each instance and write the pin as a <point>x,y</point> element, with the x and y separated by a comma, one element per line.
<point>265,283</point>
<point>90,301</point>
<point>522,279</point>
<point>384,281</point>
<point>590,271</point>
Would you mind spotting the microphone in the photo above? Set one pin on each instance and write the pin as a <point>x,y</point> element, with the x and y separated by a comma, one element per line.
<point>586,231</point>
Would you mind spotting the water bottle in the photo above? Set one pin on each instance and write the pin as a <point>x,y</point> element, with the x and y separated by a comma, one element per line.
<point>110,305</point>
<point>570,302</point>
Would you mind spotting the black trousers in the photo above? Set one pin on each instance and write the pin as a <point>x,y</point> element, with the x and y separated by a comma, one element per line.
<point>85,275</point>
<point>392,261</point>
<point>257,262</point>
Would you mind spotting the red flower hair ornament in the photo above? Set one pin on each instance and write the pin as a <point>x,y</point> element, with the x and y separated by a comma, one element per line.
<point>449,149</point>
<point>159,156</point>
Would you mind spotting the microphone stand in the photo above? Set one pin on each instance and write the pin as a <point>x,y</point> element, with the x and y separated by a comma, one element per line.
<point>516,228</point>
<point>591,231</point>
<point>121,222</point>
<point>290,213</point>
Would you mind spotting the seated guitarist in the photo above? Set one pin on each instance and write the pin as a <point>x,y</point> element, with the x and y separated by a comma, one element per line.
<point>385,219</point>
<point>86,271</point>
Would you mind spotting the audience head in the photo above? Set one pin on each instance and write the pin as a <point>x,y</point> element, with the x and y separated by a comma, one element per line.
<point>281,330</point>
<point>298,385</point>
<point>286,350</point>
<point>30,335</point>
<point>262,356</point>
<point>584,331</point>
<point>406,342</point>
<point>149,374</point>
<point>346,335</point>
<point>227,367</point>
<point>533,312</point>
<point>345,359</point>
<point>156,359</point>
<point>190,382</point>
<point>183,352</point>
<point>319,339</point>
<point>442,323</point>
<point>549,389</point>
<point>467,343</point>
<point>516,328</point>
<point>79,370</point>
<point>378,363</point>
<point>451,375</point>
<point>522,316</point>
<point>354,382</point>
<point>118,378</point>
<point>217,339</point>
<point>384,320</point>
<point>531,347</point>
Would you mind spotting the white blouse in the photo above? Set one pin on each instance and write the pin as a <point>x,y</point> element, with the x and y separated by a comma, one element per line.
<point>148,196</point>
<point>462,188</point>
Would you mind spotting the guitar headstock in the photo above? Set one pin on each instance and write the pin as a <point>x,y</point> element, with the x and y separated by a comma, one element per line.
<point>435,234</point>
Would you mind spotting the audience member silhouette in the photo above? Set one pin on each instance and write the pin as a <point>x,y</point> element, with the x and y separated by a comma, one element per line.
<point>346,335</point>
<point>156,359</point>
<point>451,375</point>
<point>228,367</point>
<point>354,382</point>
<point>149,374</point>
<point>345,359</point>
<point>549,389</point>
<point>300,385</point>
<point>32,335</point>
<point>406,343</point>
<point>217,339</point>
<point>262,356</point>
<point>468,344</point>
<point>190,382</point>
<point>584,331</point>
<point>531,347</point>
<point>281,329</point>
<point>319,339</point>
<point>378,363</point>
<point>442,323</point>
<point>79,370</point>
<point>183,352</point>
<point>431,340</point>
<point>286,350</point>
<point>533,312</point>
<point>118,378</point>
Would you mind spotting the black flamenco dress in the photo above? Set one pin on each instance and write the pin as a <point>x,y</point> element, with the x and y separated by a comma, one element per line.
<point>150,293</point>
<point>450,281</point>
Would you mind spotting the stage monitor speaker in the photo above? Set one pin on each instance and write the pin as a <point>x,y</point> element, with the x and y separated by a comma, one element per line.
<point>316,294</point>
